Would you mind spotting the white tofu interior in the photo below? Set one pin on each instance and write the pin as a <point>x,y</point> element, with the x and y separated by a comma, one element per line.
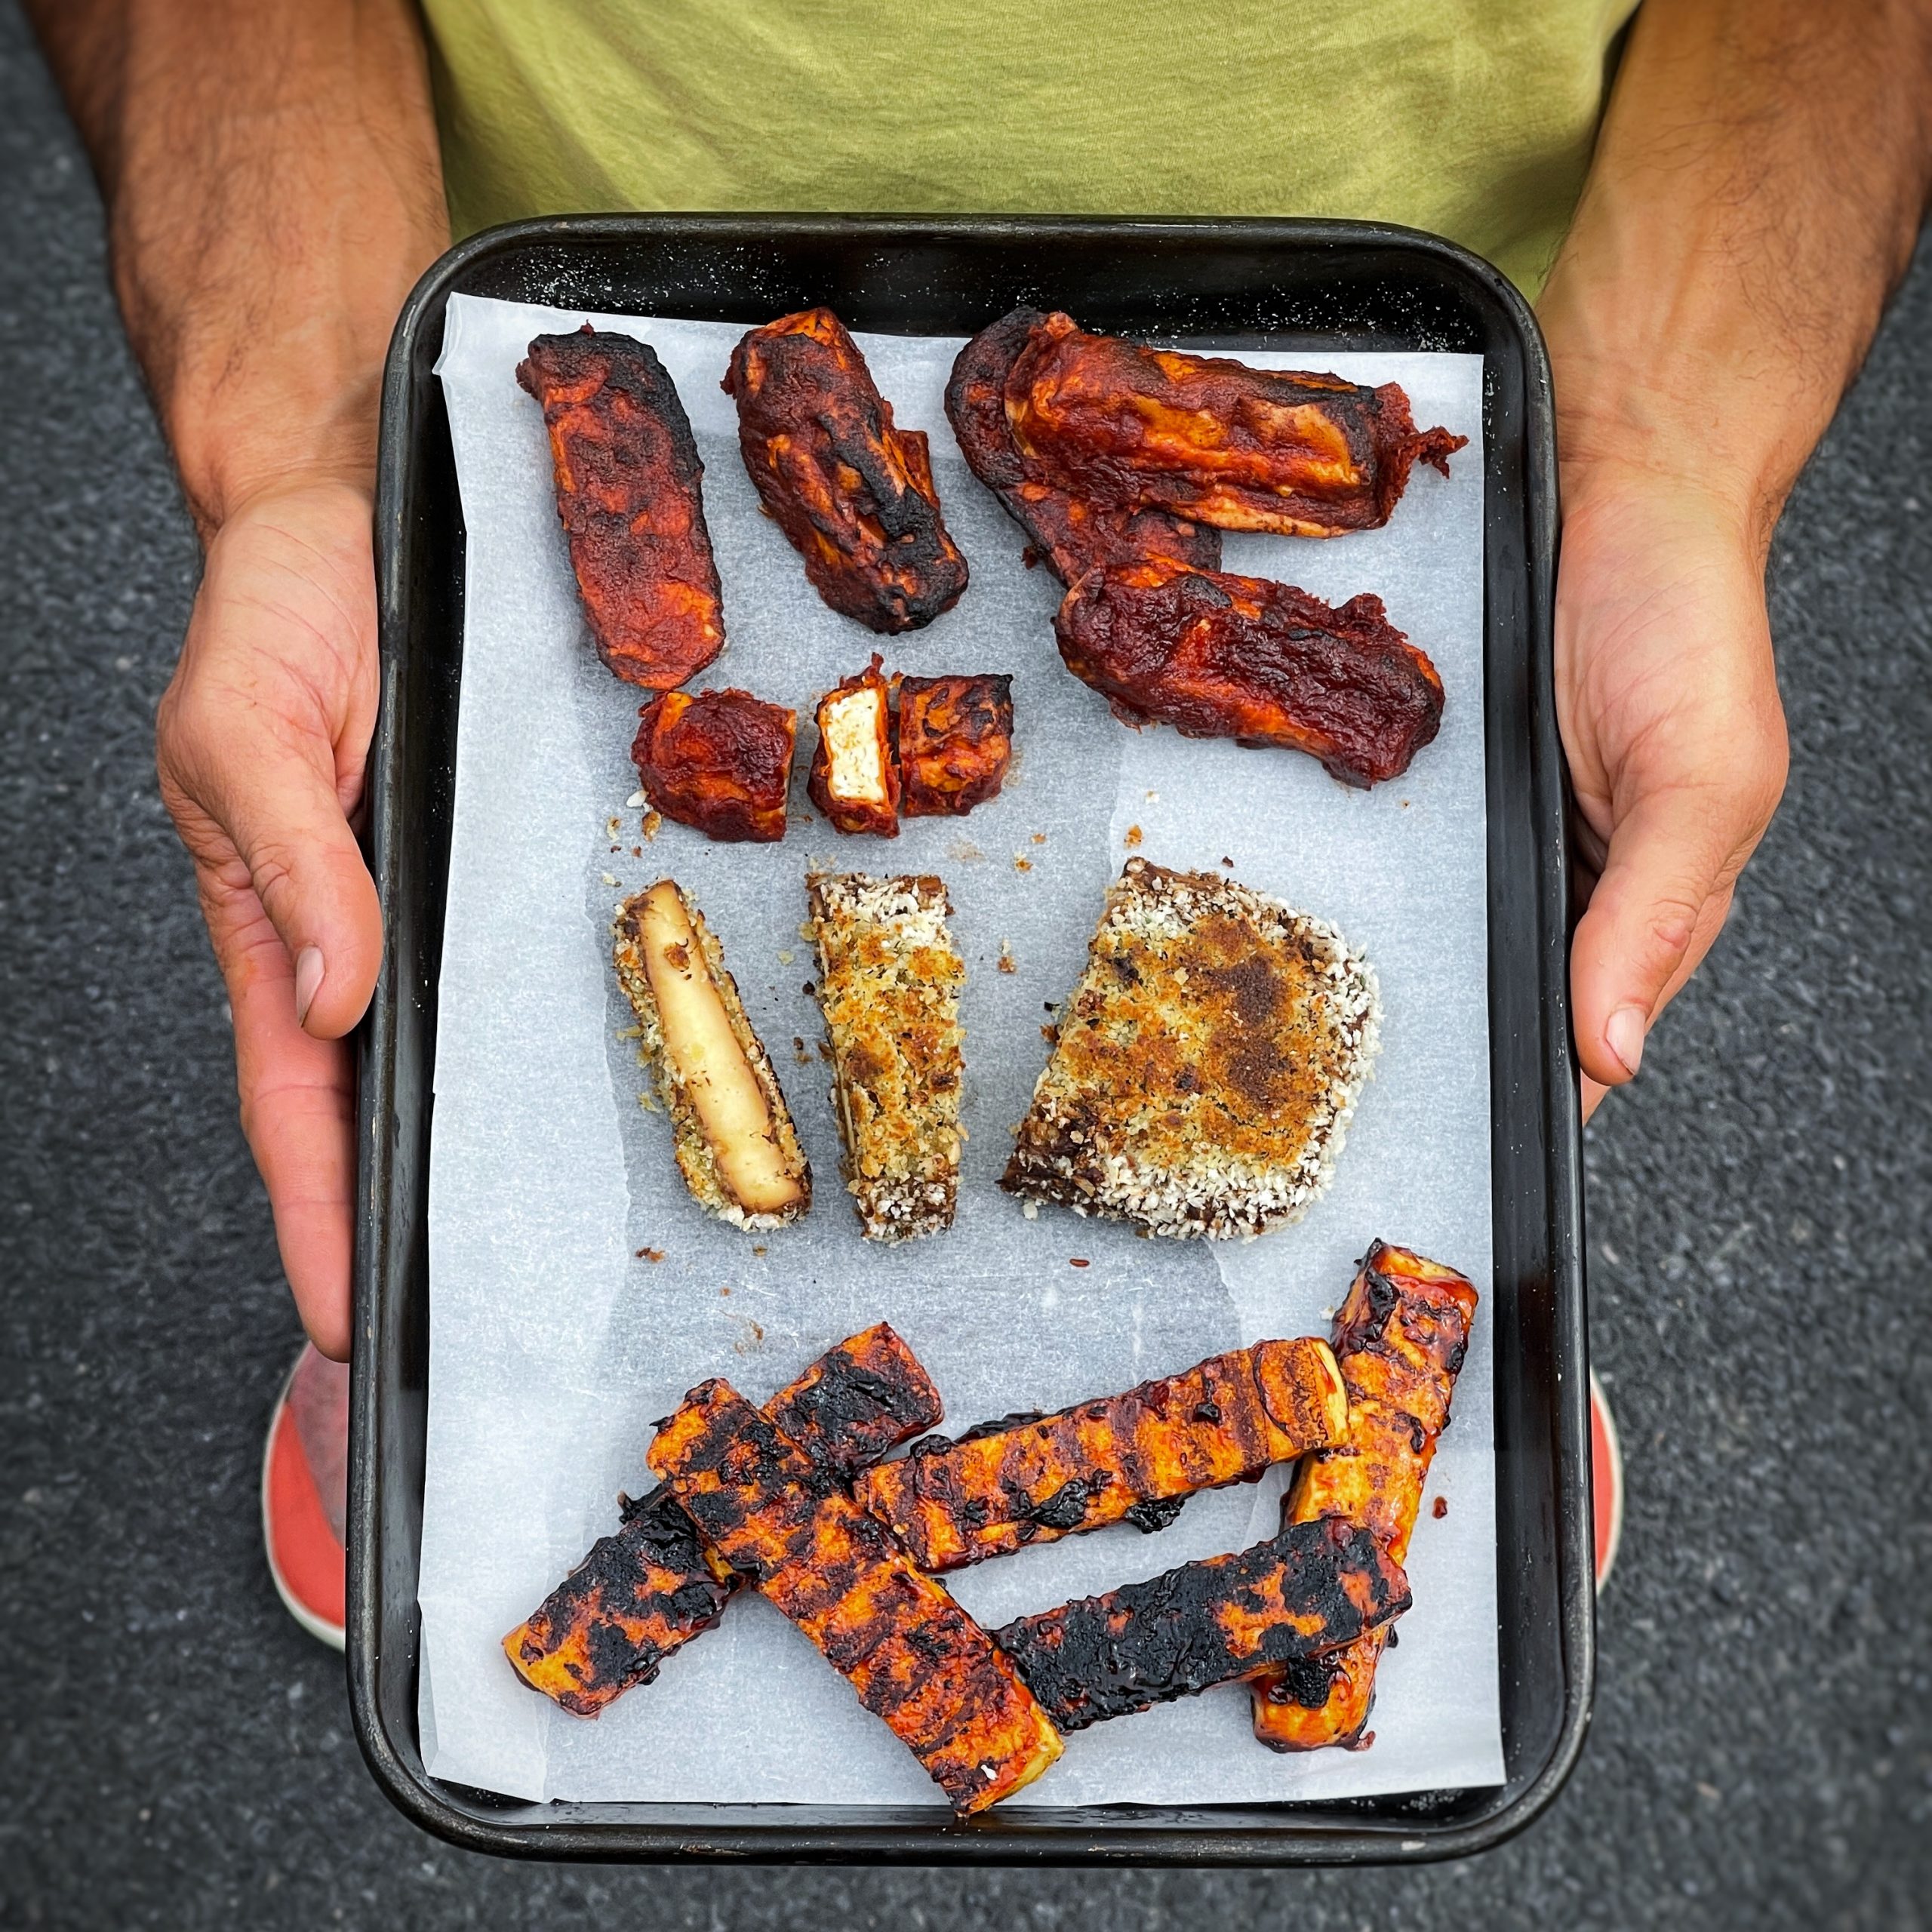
<point>705,1051</point>
<point>854,746</point>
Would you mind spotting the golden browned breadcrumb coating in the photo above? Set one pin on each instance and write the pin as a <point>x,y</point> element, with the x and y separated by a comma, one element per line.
<point>889,983</point>
<point>1207,1066</point>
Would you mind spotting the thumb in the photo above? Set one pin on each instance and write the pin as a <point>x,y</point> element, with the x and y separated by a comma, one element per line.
<point>1664,891</point>
<point>255,798</point>
<point>285,820</point>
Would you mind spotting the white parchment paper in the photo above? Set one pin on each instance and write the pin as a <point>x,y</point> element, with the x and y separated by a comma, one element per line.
<point>555,1343</point>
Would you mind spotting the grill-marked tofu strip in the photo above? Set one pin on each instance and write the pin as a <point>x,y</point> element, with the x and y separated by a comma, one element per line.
<point>735,1142</point>
<point>888,984</point>
<point>1313,1587</point>
<point>651,1588</point>
<point>1134,1456</point>
<point>854,781</point>
<point>1400,1339</point>
<point>914,1658</point>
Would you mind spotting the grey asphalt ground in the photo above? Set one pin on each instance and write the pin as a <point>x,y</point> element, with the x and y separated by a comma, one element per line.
<point>177,1754</point>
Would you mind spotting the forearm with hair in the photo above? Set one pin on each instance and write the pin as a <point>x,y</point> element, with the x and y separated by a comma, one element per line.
<point>1759,179</point>
<point>273,189</point>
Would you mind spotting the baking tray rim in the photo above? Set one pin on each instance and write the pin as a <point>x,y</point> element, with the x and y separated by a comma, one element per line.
<point>1195,1835</point>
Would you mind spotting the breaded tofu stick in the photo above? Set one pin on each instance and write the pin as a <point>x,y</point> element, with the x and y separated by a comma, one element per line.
<point>733,1138</point>
<point>651,1589</point>
<point>914,1658</point>
<point>854,780</point>
<point>888,984</point>
<point>1227,1419</point>
<point>1400,1338</point>
<point>1314,1586</point>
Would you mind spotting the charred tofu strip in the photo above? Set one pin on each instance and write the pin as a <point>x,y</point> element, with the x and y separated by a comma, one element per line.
<point>853,491</point>
<point>1207,1066</point>
<point>651,1589</point>
<point>953,1503</point>
<point>1242,657</point>
<point>736,1145</point>
<point>1400,1338</point>
<point>628,483</point>
<point>721,762</point>
<point>1071,533</point>
<point>637,1597</point>
<point>854,781</point>
<point>914,1658</point>
<point>888,984</point>
<point>1204,437</point>
<point>1312,1588</point>
<point>955,741</point>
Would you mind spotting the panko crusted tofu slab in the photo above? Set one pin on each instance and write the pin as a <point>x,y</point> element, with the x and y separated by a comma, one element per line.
<point>1207,1066</point>
<point>889,980</point>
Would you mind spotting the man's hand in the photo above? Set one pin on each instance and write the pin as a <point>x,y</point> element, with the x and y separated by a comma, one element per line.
<point>273,189</point>
<point>261,743</point>
<point>1668,702</point>
<point>1757,187</point>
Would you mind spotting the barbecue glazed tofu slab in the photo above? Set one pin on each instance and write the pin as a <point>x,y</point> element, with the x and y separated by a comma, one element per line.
<point>1312,1588</point>
<point>1135,1457</point>
<point>1071,534</point>
<point>888,984</point>
<point>629,494</point>
<point>852,491</point>
<point>1210,438</point>
<point>915,1658</point>
<point>648,1590</point>
<point>1207,1066</point>
<point>1400,1339</point>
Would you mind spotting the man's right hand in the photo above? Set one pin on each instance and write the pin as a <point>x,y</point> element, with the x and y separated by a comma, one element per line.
<point>263,739</point>
<point>273,190</point>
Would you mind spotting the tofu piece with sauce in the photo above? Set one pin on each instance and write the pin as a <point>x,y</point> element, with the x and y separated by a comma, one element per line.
<point>731,1131</point>
<point>854,781</point>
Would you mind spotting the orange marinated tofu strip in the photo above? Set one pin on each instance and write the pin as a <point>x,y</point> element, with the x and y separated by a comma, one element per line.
<point>1400,1338</point>
<point>915,1658</point>
<point>651,1588</point>
<point>1132,1455</point>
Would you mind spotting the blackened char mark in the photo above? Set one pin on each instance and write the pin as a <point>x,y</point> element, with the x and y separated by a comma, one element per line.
<point>1149,1519</point>
<point>1315,1586</point>
<point>864,1397</point>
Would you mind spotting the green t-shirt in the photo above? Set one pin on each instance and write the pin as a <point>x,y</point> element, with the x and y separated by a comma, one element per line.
<point>1473,118</point>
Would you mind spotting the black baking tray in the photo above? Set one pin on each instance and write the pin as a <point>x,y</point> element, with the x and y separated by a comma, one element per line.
<point>1316,287</point>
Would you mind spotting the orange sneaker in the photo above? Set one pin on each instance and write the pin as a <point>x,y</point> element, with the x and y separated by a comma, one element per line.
<point>1606,1480</point>
<point>305,1479</point>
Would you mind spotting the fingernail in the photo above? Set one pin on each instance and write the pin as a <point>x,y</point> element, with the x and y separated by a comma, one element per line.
<point>1623,1031</point>
<point>309,983</point>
